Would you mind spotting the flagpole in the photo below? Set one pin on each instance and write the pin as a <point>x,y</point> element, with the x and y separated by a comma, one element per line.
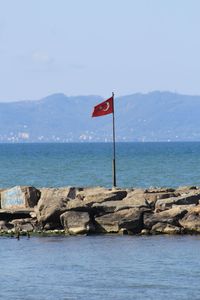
<point>114,152</point>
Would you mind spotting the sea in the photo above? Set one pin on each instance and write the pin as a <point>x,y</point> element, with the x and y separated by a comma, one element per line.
<point>104,266</point>
<point>90,164</point>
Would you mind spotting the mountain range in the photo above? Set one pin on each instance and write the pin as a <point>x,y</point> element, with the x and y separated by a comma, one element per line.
<point>155,116</point>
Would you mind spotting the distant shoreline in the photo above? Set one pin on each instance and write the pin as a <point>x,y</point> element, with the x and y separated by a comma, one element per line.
<point>103,142</point>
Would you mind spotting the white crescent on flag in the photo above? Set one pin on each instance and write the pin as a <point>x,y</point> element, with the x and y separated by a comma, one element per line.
<point>107,106</point>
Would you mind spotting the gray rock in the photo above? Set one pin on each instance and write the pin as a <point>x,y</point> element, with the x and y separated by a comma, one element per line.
<point>52,204</point>
<point>126,203</point>
<point>25,225</point>
<point>159,190</point>
<point>185,199</point>
<point>186,189</point>
<point>76,222</point>
<point>98,195</point>
<point>129,219</point>
<point>170,216</point>
<point>78,205</point>
<point>191,221</point>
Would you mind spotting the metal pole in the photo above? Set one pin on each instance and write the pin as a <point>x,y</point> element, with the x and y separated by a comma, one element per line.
<point>113,161</point>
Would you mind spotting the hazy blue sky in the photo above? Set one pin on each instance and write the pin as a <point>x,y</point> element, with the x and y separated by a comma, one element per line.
<point>97,46</point>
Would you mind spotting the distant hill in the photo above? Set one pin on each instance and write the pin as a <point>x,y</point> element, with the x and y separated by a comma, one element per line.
<point>156,116</point>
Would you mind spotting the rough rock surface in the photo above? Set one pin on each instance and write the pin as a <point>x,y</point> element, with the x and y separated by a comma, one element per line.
<point>99,210</point>
<point>184,199</point>
<point>76,222</point>
<point>170,216</point>
<point>98,195</point>
<point>52,204</point>
<point>191,221</point>
<point>129,219</point>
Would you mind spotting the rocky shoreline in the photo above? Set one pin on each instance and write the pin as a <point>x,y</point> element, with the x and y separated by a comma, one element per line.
<point>74,211</point>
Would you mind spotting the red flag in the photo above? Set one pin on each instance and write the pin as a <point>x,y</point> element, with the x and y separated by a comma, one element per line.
<point>103,108</point>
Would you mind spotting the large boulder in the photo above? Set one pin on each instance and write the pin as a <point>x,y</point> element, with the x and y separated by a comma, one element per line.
<point>184,199</point>
<point>153,197</point>
<point>170,216</point>
<point>150,196</point>
<point>114,206</point>
<point>78,205</point>
<point>52,204</point>
<point>127,219</point>
<point>20,197</point>
<point>191,221</point>
<point>76,222</point>
<point>90,196</point>
<point>134,199</point>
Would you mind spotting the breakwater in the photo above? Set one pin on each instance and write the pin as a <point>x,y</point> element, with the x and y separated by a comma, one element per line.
<point>97,210</point>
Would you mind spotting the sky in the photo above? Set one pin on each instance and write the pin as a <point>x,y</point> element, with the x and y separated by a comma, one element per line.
<point>94,47</point>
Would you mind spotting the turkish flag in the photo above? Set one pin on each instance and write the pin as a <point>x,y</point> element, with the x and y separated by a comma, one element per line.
<point>103,108</point>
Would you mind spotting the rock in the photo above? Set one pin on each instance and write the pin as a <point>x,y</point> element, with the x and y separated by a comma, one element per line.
<point>52,204</point>
<point>145,232</point>
<point>126,203</point>
<point>98,195</point>
<point>129,219</point>
<point>185,199</point>
<point>170,216</point>
<point>186,189</point>
<point>1,190</point>
<point>191,221</point>
<point>166,228</point>
<point>5,226</point>
<point>76,222</point>
<point>25,225</point>
<point>152,198</point>
<point>136,198</point>
<point>20,197</point>
<point>78,205</point>
<point>159,190</point>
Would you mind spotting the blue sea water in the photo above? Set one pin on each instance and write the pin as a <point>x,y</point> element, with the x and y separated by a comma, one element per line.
<point>100,267</point>
<point>90,164</point>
